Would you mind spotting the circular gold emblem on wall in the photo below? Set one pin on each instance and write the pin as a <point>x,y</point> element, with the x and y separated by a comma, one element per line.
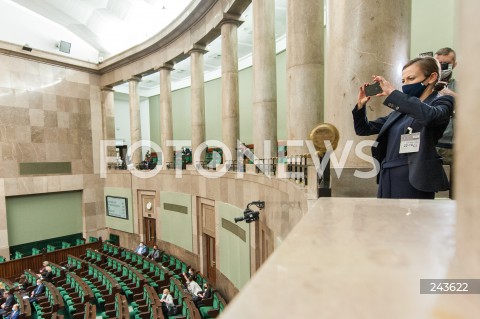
<point>324,132</point>
<point>149,206</point>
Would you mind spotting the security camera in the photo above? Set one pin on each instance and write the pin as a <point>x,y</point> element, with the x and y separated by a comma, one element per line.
<point>250,215</point>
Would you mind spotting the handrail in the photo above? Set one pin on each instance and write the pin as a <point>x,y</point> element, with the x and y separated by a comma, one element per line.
<point>57,303</point>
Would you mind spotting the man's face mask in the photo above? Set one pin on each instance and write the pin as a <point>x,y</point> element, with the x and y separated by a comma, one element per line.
<point>446,70</point>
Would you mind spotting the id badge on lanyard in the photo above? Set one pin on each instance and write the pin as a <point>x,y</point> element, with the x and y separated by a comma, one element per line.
<point>409,143</point>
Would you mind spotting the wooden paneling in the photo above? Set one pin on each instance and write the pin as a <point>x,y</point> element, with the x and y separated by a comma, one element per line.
<point>14,268</point>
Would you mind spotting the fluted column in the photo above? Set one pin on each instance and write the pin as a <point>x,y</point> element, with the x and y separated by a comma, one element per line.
<point>305,61</point>
<point>359,44</point>
<point>135,124</point>
<point>108,113</point>
<point>264,78</point>
<point>230,98</point>
<point>166,124</point>
<point>197,97</point>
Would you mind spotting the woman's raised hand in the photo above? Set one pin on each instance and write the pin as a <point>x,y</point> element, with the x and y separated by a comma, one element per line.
<point>386,86</point>
<point>362,98</point>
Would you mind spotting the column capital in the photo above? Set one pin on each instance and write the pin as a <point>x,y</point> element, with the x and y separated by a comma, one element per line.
<point>107,89</point>
<point>229,18</point>
<point>197,48</point>
<point>164,66</point>
<point>135,78</point>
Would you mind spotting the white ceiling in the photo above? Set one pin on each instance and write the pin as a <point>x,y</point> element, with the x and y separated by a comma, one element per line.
<point>109,26</point>
<point>103,28</point>
<point>180,76</point>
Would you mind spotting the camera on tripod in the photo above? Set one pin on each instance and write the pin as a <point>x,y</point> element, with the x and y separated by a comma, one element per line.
<point>250,215</point>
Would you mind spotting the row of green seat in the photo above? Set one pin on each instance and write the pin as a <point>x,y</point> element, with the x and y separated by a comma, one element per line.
<point>112,263</point>
<point>144,264</point>
<point>208,308</point>
<point>49,248</point>
<point>118,309</point>
<point>174,265</point>
<point>93,256</point>
<point>144,305</point>
<point>74,262</point>
<point>130,279</point>
<point>75,292</point>
<point>103,285</point>
<point>213,307</point>
<point>49,304</point>
<point>54,299</point>
<point>185,307</point>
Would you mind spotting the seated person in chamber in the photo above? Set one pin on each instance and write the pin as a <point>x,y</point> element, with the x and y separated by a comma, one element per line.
<point>44,264</point>
<point>23,283</point>
<point>15,312</point>
<point>155,253</point>
<point>8,304</point>
<point>141,249</point>
<point>207,291</point>
<point>168,306</point>
<point>410,166</point>
<point>194,290</point>
<point>37,292</point>
<point>47,274</point>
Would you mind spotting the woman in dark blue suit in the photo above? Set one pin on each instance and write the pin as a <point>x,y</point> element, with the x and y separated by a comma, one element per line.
<point>410,166</point>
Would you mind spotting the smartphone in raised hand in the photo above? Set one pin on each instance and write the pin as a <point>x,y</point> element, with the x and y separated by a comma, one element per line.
<point>373,89</point>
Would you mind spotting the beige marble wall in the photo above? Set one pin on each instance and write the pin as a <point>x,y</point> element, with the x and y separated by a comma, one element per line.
<point>46,115</point>
<point>286,202</point>
<point>49,114</point>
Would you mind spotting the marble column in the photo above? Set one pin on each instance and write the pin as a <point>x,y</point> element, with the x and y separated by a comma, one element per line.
<point>135,125</point>
<point>230,91</point>
<point>166,122</point>
<point>362,38</point>
<point>197,97</point>
<point>108,112</point>
<point>305,60</point>
<point>466,262</point>
<point>264,79</point>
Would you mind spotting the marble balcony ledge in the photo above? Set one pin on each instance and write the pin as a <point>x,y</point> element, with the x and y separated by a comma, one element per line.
<point>357,258</point>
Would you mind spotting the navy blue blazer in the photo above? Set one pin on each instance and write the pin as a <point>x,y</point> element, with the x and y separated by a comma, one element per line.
<point>39,290</point>
<point>430,118</point>
<point>13,315</point>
